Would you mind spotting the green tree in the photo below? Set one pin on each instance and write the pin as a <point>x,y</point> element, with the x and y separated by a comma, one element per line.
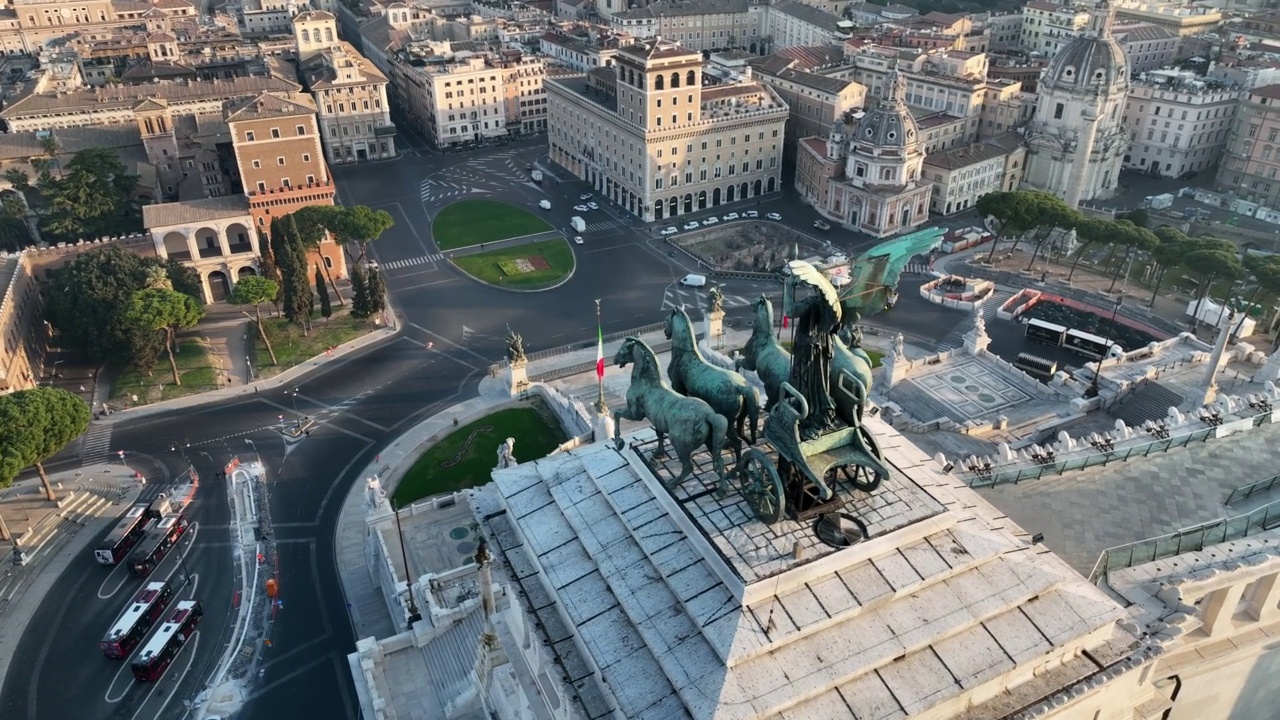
<point>184,279</point>
<point>361,225</point>
<point>86,302</point>
<point>1089,232</point>
<point>1168,254</point>
<point>94,197</point>
<point>254,290</point>
<point>1139,217</point>
<point>167,311</point>
<point>14,233</point>
<point>1013,213</point>
<point>1210,266</point>
<point>35,425</point>
<point>18,178</point>
<point>360,301</point>
<point>326,308</point>
<point>51,147</point>
<point>377,289</point>
<point>1049,213</point>
<point>313,222</point>
<point>1136,239</point>
<point>290,255</point>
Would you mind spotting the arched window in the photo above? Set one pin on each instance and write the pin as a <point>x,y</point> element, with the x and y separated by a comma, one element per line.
<point>692,79</point>
<point>1266,152</point>
<point>1057,111</point>
<point>328,34</point>
<point>306,35</point>
<point>657,83</point>
<point>675,80</point>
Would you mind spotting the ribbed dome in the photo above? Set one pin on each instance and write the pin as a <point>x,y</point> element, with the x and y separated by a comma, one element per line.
<point>889,125</point>
<point>1086,62</point>
<point>1093,59</point>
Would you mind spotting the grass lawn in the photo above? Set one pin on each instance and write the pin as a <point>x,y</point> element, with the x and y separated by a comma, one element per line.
<point>471,222</point>
<point>471,452</point>
<point>486,266</point>
<point>195,366</point>
<point>292,348</point>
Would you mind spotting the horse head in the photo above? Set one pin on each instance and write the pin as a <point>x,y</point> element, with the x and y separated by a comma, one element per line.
<point>626,352</point>
<point>678,323</point>
<point>764,316</point>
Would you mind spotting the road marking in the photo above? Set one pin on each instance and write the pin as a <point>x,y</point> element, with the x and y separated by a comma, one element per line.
<point>410,262</point>
<point>194,643</point>
<point>96,444</point>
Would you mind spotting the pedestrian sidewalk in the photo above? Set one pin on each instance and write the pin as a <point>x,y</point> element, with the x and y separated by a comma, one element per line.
<point>90,501</point>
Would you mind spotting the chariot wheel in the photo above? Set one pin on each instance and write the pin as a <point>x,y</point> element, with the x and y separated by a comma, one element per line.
<point>862,477</point>
<point>760,486</point>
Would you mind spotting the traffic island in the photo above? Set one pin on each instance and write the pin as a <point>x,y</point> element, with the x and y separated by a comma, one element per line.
<point>466,457</point>
<point>530,267</point>
<point>474,222</point>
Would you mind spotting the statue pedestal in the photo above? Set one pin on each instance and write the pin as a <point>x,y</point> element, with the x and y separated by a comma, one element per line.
<point>715,328</point>
<point>977,339</point>
<point>1270,371</point>
<point>517,377</point>
<point>602,425</point>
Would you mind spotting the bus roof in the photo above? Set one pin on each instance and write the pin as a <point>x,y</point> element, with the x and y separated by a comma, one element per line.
<point>136,609</point>
<point>1046,325</point>
<point>130,518</point>
<point>167,631</point>
<point>1090,337</point>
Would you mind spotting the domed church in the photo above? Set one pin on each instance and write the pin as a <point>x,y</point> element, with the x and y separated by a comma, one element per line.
<point>1076,141</point>
<point>869,179</point>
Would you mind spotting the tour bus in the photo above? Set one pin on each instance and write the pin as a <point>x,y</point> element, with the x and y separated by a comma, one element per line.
<point>138,617</point>
<point>159,540</point>
<point>1046,332</point>
<point>115,546</point>
<point>1087,344</point>
<point>1035,364</point>
<point>163,648</point>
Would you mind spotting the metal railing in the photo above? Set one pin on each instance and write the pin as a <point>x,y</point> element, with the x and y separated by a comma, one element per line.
<point>1001,476</point>
<point>1244,493</point>
<point>1191,539</point>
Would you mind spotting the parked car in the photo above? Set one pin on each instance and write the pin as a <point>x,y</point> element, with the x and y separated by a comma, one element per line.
<point>730,216</point>
<point>822,225</point>
<point>774,216</point>
<point>711,220</point>
<point>544,204</point>
<point>669,231</point>
<point>581,208</point>
<point>691,225</point>
<point>751,214</point>
<point>585,196</point>
<point>593,206</point>
<point>577,239</point>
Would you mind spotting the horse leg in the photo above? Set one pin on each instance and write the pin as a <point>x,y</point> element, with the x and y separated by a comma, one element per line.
<point>717,435</point>
<point>661,451</point>
<point>685,456</point>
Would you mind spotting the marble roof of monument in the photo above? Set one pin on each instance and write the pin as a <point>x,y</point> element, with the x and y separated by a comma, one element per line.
<point>690,607</point>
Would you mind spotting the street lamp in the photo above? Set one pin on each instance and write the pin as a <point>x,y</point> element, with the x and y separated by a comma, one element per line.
<point>414,615</point>
<point>296,415</point>
<point>1097,372</point>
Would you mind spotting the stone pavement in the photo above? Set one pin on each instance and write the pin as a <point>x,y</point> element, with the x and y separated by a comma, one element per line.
<point>92,498</point>
<point>1085,512</point>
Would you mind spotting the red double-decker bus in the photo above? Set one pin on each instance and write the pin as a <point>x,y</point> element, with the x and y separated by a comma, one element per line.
<point>137,618</point>
<point>157,543</point>
<point>164,646</point>
<point>123,536</point>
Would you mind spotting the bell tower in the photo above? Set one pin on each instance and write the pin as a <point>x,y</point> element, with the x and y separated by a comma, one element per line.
<point>659,84</point>
<point>155,122</point>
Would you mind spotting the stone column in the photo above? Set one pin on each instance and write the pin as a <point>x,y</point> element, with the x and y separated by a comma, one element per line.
<point>977,340</point>
<point>1219,607</point>
<point>225,245</point>
<point>1264,598</point>
<point>195,254</point>
<point>1219,347</point>
<point>1080,163</point>
<point>714,327</point>
<point>895,364</point>
<point>517,377</point>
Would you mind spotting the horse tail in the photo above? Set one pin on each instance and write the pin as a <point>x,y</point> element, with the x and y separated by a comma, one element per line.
<point>718,433</point>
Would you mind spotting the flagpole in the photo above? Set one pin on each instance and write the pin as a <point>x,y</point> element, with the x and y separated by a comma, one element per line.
<point>600,406</point>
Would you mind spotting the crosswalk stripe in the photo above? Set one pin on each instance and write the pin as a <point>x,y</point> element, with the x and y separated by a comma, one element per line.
<point>410,262</point>
<point>96,444</point>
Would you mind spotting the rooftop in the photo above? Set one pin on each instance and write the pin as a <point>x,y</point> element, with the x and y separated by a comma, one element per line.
<point>194,211</point>
<point>270,105</point>
<point>810,14</point>
<point>116,97</point>
<point>965,156</point>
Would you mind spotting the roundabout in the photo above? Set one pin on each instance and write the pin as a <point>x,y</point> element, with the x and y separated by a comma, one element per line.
<point>470,223</point>
<point>532,266</point>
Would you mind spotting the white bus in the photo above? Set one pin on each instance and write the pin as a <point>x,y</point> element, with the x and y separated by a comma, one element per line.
<point>1087,344</point>
<point>1046,332</point>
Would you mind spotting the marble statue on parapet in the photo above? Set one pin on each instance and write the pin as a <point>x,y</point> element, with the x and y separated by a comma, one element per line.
<point>506,454</point>
<point>716,295</point>
<point>898,352</point>
<point>515,347</point>
<point>375,496</point>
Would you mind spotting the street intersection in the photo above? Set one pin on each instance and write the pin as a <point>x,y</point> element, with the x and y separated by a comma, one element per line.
<point>450,329</point>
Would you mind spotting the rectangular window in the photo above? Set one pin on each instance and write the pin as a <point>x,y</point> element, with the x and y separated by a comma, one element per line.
<point>275,133</point>
<point>248,136</point>
<point>284,182</point>
<point>262,187</point>
<point>257,163</point>
<point>301,129</point>
<point>279,161</point>
<point>306,157</point>
<point>311,179</point>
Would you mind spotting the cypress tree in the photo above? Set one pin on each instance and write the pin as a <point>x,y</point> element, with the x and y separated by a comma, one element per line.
<point>359,293</point>
<point>377,292</point>
<point>326,309</point>
<point>290,256</point>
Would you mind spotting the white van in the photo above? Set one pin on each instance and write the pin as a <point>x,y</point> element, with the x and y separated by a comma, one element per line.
<point>693,280</point>
<point>544,204</point>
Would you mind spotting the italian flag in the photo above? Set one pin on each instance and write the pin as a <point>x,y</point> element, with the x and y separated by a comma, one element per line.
<point>599,352</point>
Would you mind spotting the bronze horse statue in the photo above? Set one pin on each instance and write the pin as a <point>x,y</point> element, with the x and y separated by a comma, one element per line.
<point>727,392</point>
<point>690,422</point>
<point>764,354</point>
